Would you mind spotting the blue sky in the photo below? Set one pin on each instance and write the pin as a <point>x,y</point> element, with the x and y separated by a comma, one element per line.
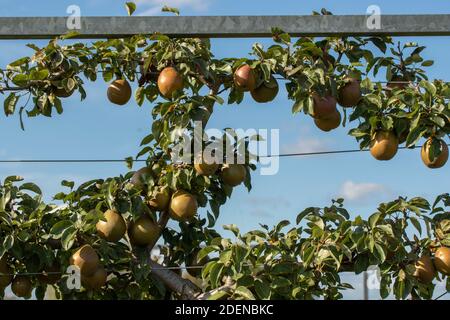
<point>97,129</point>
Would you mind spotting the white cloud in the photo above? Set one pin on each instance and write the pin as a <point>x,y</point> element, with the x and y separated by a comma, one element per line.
<point>153,7</point>
<point>362,191</point>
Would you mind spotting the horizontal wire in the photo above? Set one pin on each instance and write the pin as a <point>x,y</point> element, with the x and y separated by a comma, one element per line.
<point>441,295</point>
<point>277,78</point>
<point>142,160</point>
<point>157,268</point>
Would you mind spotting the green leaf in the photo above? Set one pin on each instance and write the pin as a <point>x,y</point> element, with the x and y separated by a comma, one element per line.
<point>58,106</point>
<point>374,99</point>
<point>215,273</point>
<point>58,228</point>
<point>131,7</point>
<point>70,35</point>
<point>262,290</point>
<point>205,251</point>
<point>68,184</point>
<point>414,136</point>
<point>39,74</point>
<point>68,238</point>
<point>20,80</point>
<point>298,106</point>
<point>13,179</point>
<point>31,187</point>
<point>218,295</point>
<point>244,292</point>
<point>40,292</point>
<point>233,228</point>
<point>427,63</point>
<point>19,62</point>
<point>379,253</point>
<point>416,224</point>
<point>304,213</point>
<point>139,95</point>
<point>147,140</point>
<point>428,86</point>
<point>10,104</point>
<point>225,256</point>
<point>280,282</point>
<point>438,120</point>
<point>159,37</point>
<point>373,219</point>
<point>170,9</point>
<point>8,242</point>
<point>361,264</point>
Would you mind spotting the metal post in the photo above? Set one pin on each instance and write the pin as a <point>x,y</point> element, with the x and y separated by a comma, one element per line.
<point>366,288</point>
<point>225,26</point>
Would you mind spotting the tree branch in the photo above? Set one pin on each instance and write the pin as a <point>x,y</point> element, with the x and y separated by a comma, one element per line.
<point>186,289</point>
<point>226,288</point>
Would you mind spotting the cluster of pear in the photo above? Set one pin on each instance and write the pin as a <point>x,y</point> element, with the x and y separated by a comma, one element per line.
<point>246,79</point>
<point>169,81</point>
<point>426,266</point>
<point>326,116</point>
<point>325,113</point>
<point>144,231</point>
<point>384,146</point>
<point>22,285</point>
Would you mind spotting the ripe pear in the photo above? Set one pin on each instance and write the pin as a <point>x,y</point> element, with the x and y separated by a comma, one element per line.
<point>204,168</point>
<point>169,81</point>
<point>119,92</point>
<point>350,93</point>
<point>328,124</point>
<point>114,228</point>
<point>51,274</point>
<point>22,286</point>
<point>233,174</point>
<point>425,271</point>
<point>86,259</point>
<point>440,160</point>
<point>6,278</point>
<point>384,145</point>
<point>96,281</point>
<point>442,260</point>
<point>144,231</point>
<point>160,199</point>
<point>266,92</point>
<point>139,177</point>
<point>183,206</point>
<point>324,107</point>
<point>244,78</point>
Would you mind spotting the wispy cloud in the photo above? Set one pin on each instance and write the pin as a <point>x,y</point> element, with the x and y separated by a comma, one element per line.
<point>361,192</point>
<point>153,7</point>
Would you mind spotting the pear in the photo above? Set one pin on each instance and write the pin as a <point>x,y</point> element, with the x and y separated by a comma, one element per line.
<point>114,228</point>
<point>119,92</point>
<point>384,145</point>
<point>183,206</point>
<point>86,259</point>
